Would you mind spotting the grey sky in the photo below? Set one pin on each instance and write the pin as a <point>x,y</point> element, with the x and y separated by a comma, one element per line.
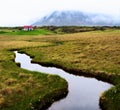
<point>21,12</point>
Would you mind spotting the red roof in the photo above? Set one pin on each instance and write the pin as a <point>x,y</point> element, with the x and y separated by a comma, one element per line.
<point>28,26</point>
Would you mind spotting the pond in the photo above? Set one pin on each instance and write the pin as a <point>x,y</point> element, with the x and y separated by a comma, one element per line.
<point>83,92</point>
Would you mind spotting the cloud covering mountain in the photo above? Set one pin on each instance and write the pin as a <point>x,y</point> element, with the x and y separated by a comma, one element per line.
<point>26,12</point>
<point>76,18</point>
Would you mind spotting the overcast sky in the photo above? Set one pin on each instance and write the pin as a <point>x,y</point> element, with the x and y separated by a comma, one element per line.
<point>22,12</point>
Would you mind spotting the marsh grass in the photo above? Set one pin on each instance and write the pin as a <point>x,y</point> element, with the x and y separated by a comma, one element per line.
<point>95,52</point>
<point>21,89</point>
<point>92,53</point>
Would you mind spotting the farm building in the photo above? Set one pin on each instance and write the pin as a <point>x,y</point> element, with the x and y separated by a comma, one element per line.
<point>28,28</point>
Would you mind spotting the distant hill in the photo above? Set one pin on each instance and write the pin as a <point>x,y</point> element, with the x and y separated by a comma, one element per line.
<point>75,18</point>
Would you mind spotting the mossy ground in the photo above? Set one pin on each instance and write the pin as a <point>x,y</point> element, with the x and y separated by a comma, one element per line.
<point>95,52</point>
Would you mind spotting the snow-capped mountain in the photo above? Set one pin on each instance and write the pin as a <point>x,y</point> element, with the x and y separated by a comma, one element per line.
<point>76,18</point>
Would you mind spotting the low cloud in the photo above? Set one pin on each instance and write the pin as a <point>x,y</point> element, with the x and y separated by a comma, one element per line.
<point>20,12</point>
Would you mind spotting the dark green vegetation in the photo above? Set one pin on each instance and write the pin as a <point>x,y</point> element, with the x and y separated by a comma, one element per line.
<point>95,53</point>
<point>48,30</point>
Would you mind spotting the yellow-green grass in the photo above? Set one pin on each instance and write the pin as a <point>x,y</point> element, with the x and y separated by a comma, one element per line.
<point>92,51</point>
<point>94,54</point>
<point>21,89</point>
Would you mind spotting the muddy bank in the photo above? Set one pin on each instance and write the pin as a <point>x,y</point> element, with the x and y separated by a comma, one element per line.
<point>98,75</point>
<point>49,99</point>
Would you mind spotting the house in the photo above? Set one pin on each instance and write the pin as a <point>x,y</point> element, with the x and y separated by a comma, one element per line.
<point>28,28</point>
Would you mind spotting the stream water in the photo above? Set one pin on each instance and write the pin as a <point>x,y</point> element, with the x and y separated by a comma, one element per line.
<point>83,92</point>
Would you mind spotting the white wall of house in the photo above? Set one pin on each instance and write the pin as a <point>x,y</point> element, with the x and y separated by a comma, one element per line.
<point>27,29</point>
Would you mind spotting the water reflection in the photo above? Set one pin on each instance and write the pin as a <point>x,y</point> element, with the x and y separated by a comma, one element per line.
<point>83,92</point>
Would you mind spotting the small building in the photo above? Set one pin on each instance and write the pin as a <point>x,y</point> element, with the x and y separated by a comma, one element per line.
<point>28,28</point>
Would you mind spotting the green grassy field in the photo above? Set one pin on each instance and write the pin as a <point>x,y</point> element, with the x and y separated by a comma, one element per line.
<point>94,53</point>
<point>20,31</point>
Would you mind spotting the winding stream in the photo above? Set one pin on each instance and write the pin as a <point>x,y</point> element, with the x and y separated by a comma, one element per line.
<point>83,92</point>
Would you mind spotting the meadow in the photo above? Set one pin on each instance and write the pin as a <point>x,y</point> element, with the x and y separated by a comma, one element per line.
<point>92,53</point>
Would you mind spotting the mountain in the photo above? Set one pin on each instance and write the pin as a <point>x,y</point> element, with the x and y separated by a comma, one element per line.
<point>75,18</point>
